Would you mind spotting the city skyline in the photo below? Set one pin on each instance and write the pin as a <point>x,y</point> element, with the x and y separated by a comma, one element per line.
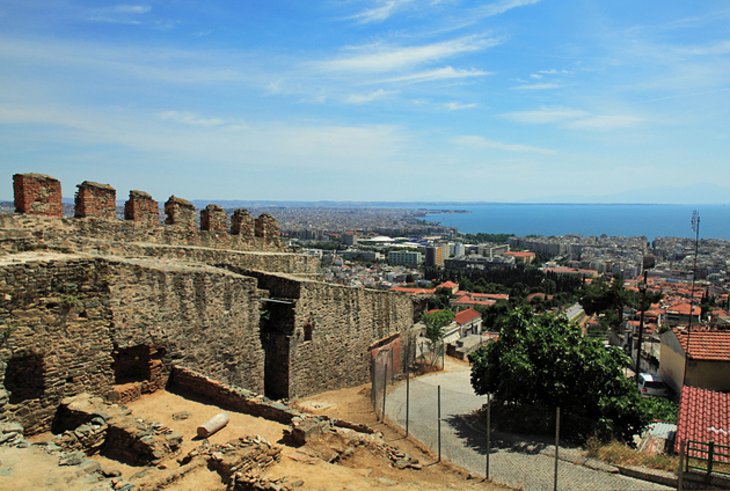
<point>393,100</point>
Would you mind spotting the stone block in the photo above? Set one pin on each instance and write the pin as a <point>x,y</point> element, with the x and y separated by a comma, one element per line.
<point>213,218</point>
<point>94,200</point>
<point>37,194</point>
<point>180,213</point>
<point>242,224</point>
<point>142,209</point>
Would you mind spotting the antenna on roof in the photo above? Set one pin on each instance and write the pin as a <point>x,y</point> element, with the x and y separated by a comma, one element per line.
<point>696,229</point>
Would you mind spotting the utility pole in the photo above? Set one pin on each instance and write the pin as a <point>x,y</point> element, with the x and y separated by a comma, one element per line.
<point>642,287</point>
<point>696,230</point>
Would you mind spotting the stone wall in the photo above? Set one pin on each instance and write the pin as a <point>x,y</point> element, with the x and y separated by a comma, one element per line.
<point>71,324</point>
<point>94,200</point>
<point>242,224</point>
<point>213,218</point>
<point>37,194</point>
<point>126,237</point>
<point>180,214</point>
<point>321,339</point>
<point>142,209</point>
<point>54,335</point>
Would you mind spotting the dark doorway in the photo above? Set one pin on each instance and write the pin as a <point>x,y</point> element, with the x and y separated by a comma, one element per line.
<point>132,364</point>
<point>277,325</point>
<point>25,378</point>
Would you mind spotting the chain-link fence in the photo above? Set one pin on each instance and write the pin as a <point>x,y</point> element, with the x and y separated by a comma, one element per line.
<point>520,450</point>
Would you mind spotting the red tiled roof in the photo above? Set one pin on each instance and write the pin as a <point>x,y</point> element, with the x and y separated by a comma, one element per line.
<point>466,316</point>
<point>704,415</point>
<point>467,300</point>
<point>683,309</point>
<point>413,291</point>
<point>483,296</point>
<point>520,254</point>
<point>448,284</point>
<point>705,345</point>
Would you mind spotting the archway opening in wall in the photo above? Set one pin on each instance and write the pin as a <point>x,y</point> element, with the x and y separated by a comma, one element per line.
<point>25,377</point>
<point>132,364</point>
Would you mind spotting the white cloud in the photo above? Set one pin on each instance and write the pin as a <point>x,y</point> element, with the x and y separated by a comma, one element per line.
<point>368,97</point>
<point>460,106</point>
<point>605,122</point>
<point>379,13</point>
<point>130,9</point>
<point>190,118</point>
<point>481,143</point>
<point>384,58</point>
<point>574,118</point>
<point>119,14</point>
<point>539,86</point>
<point>443,73</point>
<point>546,115</point>
<point>497,8</point>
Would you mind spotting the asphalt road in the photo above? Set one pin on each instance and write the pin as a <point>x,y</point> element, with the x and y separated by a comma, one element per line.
<point>520,465</point>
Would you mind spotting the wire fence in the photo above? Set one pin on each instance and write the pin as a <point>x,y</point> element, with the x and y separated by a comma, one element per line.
<point>522,448</point>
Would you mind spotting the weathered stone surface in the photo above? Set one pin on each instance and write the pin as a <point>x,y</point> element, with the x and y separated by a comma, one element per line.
<point>242,224</point>
<point>140,208</point>
<point>94,200</point>
<point>37,194</point>
<point>70,318</point>
<point>121,436</point>
<point>180,214</point>
<point>214,219</point>
<point>267,228</point>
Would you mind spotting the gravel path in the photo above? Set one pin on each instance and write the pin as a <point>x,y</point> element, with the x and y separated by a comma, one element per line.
<point>527,465</point>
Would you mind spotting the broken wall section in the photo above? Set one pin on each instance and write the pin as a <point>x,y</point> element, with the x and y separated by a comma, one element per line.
<point>71,324</point>
<point>322,340</point>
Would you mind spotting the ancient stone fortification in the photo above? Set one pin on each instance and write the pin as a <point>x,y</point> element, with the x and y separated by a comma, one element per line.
<point>107,306</point>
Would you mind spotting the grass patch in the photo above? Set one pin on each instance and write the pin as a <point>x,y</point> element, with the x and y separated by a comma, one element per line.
<point>618,453</point>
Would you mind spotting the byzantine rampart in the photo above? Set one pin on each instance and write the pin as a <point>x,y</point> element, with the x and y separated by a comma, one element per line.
<point>110,307</point>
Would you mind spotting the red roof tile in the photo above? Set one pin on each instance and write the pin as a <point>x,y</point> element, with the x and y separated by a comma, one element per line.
<point>704,415</point>
<point>683,309</point>
<point>448,284</point>
<point>466,316</point>
<point>705,345</point>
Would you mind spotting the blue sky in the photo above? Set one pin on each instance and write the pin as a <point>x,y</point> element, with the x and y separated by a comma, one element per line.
<point>398,100</point>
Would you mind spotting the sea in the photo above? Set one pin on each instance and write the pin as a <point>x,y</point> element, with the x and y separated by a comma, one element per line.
<point>647,220</point>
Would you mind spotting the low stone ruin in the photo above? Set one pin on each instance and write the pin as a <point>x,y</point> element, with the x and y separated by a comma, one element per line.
<point>89,424</point>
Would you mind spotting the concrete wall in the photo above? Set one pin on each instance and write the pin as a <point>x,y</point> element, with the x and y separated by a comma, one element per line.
<point>706,374</point>
<point>64,320</point>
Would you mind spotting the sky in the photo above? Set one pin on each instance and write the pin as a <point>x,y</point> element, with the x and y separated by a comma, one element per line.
<point>371,100</point>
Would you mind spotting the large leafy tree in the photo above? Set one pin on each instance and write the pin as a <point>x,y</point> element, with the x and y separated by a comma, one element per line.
<point>544,361</point>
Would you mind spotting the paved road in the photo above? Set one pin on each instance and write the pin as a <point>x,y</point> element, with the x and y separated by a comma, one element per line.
<point>516,465</point>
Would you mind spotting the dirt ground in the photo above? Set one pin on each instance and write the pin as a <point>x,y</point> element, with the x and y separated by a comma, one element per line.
<point>32,468</point>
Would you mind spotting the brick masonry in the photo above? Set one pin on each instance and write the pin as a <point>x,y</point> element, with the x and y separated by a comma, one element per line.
<point>242,224</point>
<point>94,200</point>
<point>213,218</point>
<point>142,209</point>
<point>37,194</point>
<point>180,213</point>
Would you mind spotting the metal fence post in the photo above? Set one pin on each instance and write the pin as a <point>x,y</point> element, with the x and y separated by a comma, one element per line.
<point>557,446</point>
<point>439,420</point>
<point>385,390</point>
<point>710,458</point>
<point>680,474</point>
<point>489,430</point>
<point>408,395</point>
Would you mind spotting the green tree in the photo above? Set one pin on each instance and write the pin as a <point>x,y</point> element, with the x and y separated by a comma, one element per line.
<point>544,361</point>
<point>435,323</point>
